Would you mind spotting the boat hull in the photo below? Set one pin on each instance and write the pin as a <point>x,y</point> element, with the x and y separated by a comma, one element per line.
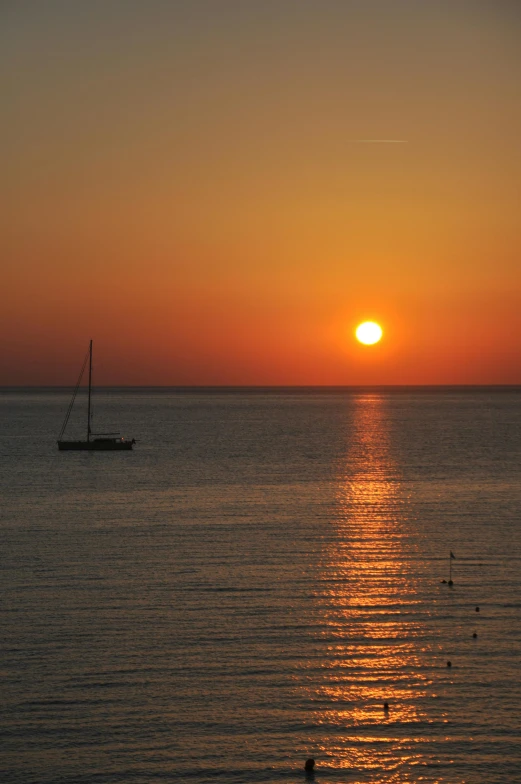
<point>97,445</point>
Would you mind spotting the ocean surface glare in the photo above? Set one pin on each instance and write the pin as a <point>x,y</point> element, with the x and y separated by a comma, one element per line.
<point>250,585</point>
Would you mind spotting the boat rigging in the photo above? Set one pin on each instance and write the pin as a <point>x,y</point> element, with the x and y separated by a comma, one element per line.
<point>94,441</point>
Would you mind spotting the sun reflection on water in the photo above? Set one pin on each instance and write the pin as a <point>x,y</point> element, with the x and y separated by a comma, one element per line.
<point>369,614</point>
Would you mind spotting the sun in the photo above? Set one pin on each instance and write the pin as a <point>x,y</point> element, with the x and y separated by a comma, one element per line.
<point>369,333</point>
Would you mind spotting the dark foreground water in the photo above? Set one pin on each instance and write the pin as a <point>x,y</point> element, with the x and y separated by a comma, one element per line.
<point>250,585</point>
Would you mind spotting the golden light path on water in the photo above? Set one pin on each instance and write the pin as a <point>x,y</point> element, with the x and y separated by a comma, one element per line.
<point>369,601</point>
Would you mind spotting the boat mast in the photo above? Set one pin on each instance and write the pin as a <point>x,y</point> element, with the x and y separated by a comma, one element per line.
<point>90,385</point>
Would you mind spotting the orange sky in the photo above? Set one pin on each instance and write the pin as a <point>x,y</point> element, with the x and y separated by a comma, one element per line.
<point>191,185</point>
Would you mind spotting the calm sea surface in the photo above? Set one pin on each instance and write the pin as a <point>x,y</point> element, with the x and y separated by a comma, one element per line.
<point>249,586</point>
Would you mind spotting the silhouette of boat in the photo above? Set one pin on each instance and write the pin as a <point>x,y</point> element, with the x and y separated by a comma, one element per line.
<point>106,442</point>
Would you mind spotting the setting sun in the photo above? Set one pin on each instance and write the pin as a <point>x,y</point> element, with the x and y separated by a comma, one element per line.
<point>368,333</point>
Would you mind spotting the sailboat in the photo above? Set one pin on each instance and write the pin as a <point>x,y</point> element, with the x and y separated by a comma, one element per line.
<point>94,441</point>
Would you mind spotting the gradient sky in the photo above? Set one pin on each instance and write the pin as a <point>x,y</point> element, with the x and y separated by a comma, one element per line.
<point>193,185</point>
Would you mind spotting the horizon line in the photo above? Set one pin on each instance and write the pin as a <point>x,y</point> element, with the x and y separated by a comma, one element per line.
<point>265,387</point>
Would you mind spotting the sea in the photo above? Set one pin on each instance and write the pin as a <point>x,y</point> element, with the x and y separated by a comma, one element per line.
<point>250,585</point>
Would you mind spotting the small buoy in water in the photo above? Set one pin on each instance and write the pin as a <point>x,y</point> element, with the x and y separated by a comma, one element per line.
<point>386,707</point>
<point>309,764</point>
<point>477,609</point>
<point>450,582</point>
<point>474,635</point>
<point>449,664</point>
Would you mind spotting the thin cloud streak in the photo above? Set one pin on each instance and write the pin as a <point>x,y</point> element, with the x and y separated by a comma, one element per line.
<point>380,141</point>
